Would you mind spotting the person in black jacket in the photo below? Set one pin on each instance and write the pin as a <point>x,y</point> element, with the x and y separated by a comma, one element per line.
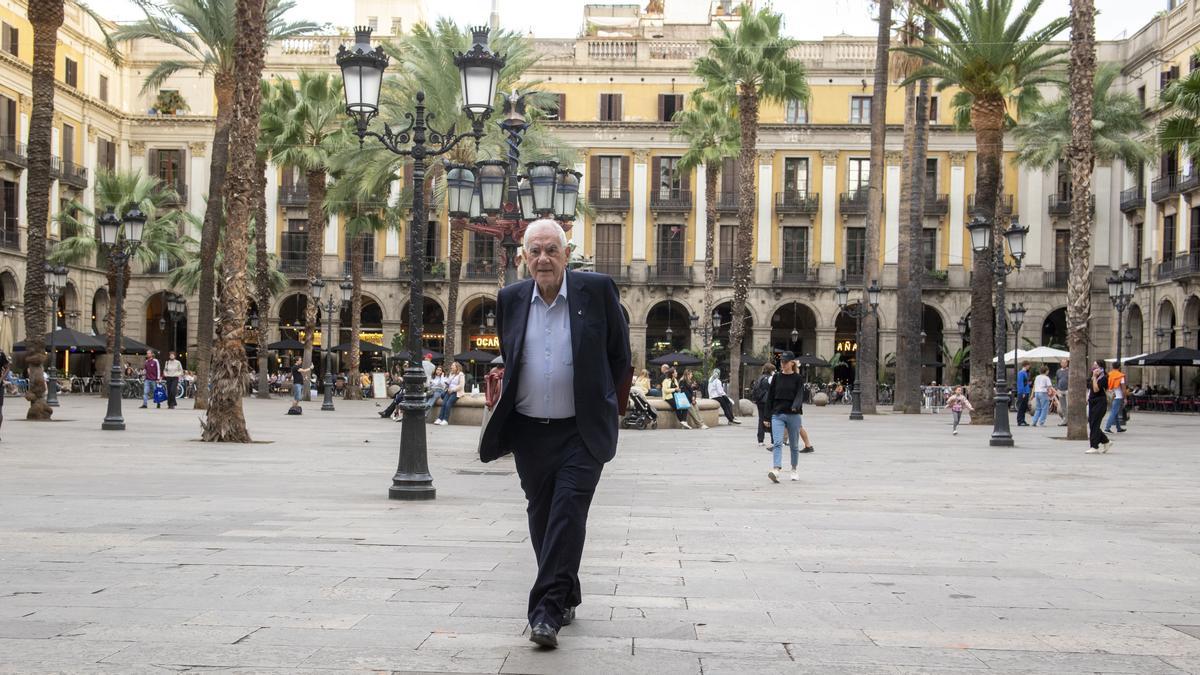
<point>758,394</point>
<point>785,404</point>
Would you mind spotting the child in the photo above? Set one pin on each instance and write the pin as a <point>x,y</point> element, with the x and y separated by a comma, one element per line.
<point>956,403</point>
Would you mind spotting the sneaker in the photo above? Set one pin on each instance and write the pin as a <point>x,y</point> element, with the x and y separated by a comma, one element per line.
<point>807,449</point>
<point>1092,451</point>
<point>795,475</point>
<point>734,421</point>
<point>1105,447</point>
<point>761,444</point>
<point>703,426</point>
<point>954,432</point>
<point>773,474</point>
<point>685,425</point>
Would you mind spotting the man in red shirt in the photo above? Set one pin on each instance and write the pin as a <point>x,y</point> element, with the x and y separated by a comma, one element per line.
<point>152,372</point>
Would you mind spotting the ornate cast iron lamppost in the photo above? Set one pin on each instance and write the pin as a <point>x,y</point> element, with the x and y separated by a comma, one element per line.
<point>983,240</point>
<point>1016,315</point>
<point>122,237</point>
<point>1121,287</point>
<point>56,283</point>
<point>858,312</point>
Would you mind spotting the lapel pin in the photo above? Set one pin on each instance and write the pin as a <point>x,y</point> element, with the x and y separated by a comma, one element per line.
<point>581,312</point>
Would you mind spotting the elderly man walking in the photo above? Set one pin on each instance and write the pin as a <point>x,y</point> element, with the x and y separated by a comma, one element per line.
<point>567,375</point>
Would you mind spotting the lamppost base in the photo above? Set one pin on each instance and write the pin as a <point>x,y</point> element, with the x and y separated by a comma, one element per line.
<point>53,403</point>
<point>1001,441</point>
<point>111,424</point>
<point>412,488</point>
<point>856,415</point>
<point>327,405</point>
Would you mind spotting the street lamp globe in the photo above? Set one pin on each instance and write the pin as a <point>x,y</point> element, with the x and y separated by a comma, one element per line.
<point>362,76</point>
<point>1115,286</point>
<point>716,320</point>
<point>1129,283</point>
<point>49,278</point>
<point>980,230</point>
<point>479,69</point>
<point>841,295</point>
<point>135,225</point>
<point>566,194</point>
<point>110,228</point>
<point>347,287</point>
<point>316,287</point>
<point>460,187</point>
<point>525,198</point>
<point>491,184</point>
<point>542,176</point>
<point>1015,234</point>
<point>873,294</point>
<point>489,319</point>
<point>475,214</point>
<point>795,335</point>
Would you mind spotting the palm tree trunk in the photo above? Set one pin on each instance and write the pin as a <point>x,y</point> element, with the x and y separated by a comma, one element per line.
<point>907,367</point>
<point>742,270</point>
<point>110,322</point>
<point>457,235</point>
<point>911,309</point>
<point>987,118</point>
<point>867,365</point>
<point>225,421</point>
<point>46,16</point>
<point>353,388</point>
<point>711,180</point>
<point>210,235</point>
<point>262,273</point>
<point>316,250</point>
<point>1081,72</point>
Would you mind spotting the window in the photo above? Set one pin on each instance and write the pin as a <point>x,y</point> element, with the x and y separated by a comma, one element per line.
<point>795,176</point>
<point>1063,182</point>
<point>856,250</point>
<point>668,105</point>
<point>1168,243</point>
<point>70,72</point>
<point>1062,252</point>
<point>933,109</point>
<point>669,179</point>
<point>1194,233</point>
<point>796,112</point>
<point>929,247</point>
<point>68,145</point>
<point>726,255</point>
<point>366,249</point>
<point>858,174</point>
<point>1168,76</point>
<point>1141,96</point>
<point>373,23</point>
<point>1193,62</point>
<point>9,210</point>
<point>167,166</point>
<point>483,249</point>
<point>431,244</point>
<point>795,250</point>
<point>106,154</point>
<point>104,88</point>
<point>10,39</point>
<point>397,25</point>
<point>611,183</point>
<point>669,248</point>
<point>608,248</point>
<point>610,107</point>
<point>557,110</point>
<point>860,110</point>
<point>931,176</point>
<point>1139,242</point>
<point>8,124</point>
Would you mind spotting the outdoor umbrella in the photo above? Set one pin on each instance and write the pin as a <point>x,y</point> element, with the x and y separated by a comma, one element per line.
<point>1128,360</point>
<point>1037,355</point>
<point>748,360</point>
<point>1176,356</point>
<point>498,361</point>
<point>406,355</point>
<point>285,345</point>
<point>363,346</point>
<point>810,360</point>
<point>476,356</point>
<point>676,359</point>
<point>128,344</point>
<point>6,334</point>
<point>67,337</point>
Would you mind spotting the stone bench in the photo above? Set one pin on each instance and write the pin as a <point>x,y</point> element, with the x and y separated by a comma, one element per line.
<point>469,411</point>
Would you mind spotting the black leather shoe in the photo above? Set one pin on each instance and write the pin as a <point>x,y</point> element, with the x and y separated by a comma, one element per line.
<point>544,636</point>
<point>807,448</point>
<point>568,616</point>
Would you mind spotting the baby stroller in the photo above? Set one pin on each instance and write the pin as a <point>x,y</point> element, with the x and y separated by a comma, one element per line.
<point>641,414</point>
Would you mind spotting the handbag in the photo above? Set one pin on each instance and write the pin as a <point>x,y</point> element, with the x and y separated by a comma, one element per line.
<point>160,392</point>
<point>681,401</point>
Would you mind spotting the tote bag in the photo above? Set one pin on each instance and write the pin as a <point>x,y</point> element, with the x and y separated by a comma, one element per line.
<point>681,401</point>
<point>160,393</point>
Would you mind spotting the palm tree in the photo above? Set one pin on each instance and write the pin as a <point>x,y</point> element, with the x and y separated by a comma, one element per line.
<point>225,421</point>
<point>749,64</point>
<point>712,132</point>
<point>994,59</point>
<point>1181,130</point>
<point>120,191</point>
<point>304,126</point>
<point>204,30</point>
<point>1044,138</point>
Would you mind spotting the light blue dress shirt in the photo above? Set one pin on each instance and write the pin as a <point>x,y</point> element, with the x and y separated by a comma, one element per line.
<point>546,386</point>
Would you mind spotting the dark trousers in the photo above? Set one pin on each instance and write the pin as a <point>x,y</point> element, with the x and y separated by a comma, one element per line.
<point>764,421</point>
<point>1022,405</point>
<point>387,412</point>
<point>1097,407</point>
<point>172,386</point>
<point>559,477</point>
<point>726,407</point>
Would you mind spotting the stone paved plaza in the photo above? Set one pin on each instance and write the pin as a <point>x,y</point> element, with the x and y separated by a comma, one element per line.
<point>902,550</point>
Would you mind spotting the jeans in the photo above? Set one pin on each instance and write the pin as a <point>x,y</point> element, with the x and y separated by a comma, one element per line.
<point>1062,405</point>
<point>779,423</point>
<point>447,405</point>
<point>1114,415</point>
<point>147,392</point>
<point>1042,409</point>
<point>297,392</point>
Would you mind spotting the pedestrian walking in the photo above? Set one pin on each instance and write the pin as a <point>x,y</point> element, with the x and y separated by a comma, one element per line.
<point>456,387</point>
<point>1024,388</point>
<point>172,371</point>
<point>1041,395</point>
<point>151,374</point>
<point>716,391</point>
<point>299,380</point>
<point>669,387</point>
<point>956,403</point>
<point>1116,385</point>
<point>758,394</point>
<point>1061,379</point>
<point>785,400</point>
<point>1096,405</point>
<point>4,367</point>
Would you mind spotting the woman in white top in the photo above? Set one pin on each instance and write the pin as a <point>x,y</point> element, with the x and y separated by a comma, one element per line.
<point>456,386</point>
<point>716,391</point>
<point>1041,394</point>
<point>437,387</point>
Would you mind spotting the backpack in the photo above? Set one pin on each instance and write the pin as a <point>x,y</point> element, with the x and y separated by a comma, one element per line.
<point>758,393</point>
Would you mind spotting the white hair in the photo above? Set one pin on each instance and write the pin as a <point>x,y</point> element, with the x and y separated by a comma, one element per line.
<point>544,224</point>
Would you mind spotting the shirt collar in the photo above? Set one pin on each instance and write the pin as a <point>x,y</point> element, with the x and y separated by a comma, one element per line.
<point>562,290</point>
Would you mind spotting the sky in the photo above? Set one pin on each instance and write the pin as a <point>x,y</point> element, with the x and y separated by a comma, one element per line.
<point>804,19</point>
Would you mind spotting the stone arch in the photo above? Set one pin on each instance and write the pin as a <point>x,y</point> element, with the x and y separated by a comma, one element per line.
<point>475,331</point>
<point>433,324</point>
<point>67,313</point>
<point>160,332</point>
<point>668,327</point>
<point>1135,331</point>
<point>10,289</point>
<point>933,335</point>
<point>1164,325</point>
<point>1191,320</point>
<point>1054,329</point>
<point>99,310</point>
<point>720,337</point>
<point>290,314</point>
<point>370,321</point>
<point>797,316</point>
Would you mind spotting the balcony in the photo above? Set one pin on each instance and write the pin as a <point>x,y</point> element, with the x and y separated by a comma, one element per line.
<point>1188,181</point>
<point>854,202</point>
<point>1056,278</point>
<point>1165,269</point>
<point>936,278</point>
<point>178,195</point>
<point>293,195</point>
<point>10,238</point>
<point>937,204</point>
<point>797,202</point>
<point>436,271</point>
<point>55,167</point>
<point>481,270</point>
<point>1133,199</point>
<point>619,272</point>
<point>794,275</point>
<point>293,255</point>
<point>1163,188</point>
<point>12,152</point>
<point>723,274</point>
<point>674,272</point>
<point>1060,205</point>
<point>293,266</point>
<point>370,268</point>
<point>853,278</point>
<point>727,202</point>
<point>1005,200</point>
<point>74,175</point>
<point>1187,264</point>
<point>605,199</point>
<point>671,201</point>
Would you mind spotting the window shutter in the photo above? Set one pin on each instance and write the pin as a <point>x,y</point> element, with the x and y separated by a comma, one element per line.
<point>685,178</point>
<point>655,170</point>
<point>624,172</point>
<point>662,110</point>
<point>593,179</point>
<point>154,163</point>
<point>616,108</point>
<point>562,107</point>
<point>678,103</point>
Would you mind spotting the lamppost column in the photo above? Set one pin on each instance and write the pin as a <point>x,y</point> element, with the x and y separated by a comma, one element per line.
<point>52,372</point>
<point>1001,433</point>
<point>114,420</point>
<point>327,400</point>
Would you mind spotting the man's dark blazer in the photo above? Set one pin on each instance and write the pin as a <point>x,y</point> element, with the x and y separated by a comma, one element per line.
<point>600,354</point>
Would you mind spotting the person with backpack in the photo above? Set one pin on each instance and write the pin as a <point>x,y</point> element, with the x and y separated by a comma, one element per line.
<point>758,394</point>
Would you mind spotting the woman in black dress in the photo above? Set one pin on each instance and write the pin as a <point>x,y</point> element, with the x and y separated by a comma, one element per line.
<point>1097,405</point>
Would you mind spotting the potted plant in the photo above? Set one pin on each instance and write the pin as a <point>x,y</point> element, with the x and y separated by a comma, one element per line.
<point>169,102</point>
